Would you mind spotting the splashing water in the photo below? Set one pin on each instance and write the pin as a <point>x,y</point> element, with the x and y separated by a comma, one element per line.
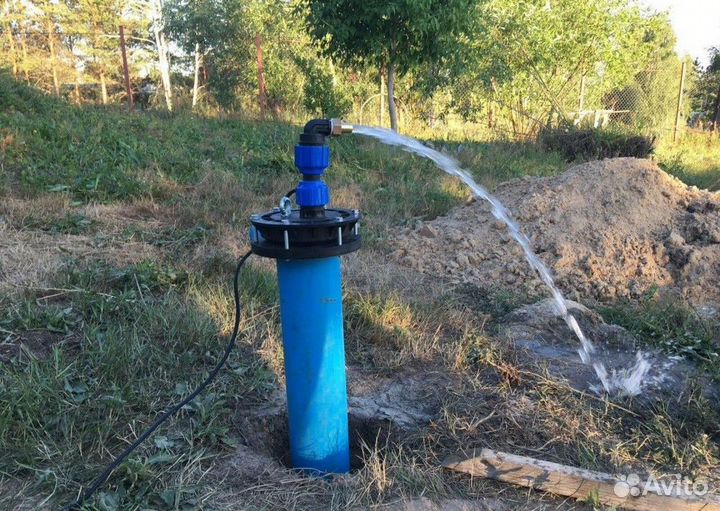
<point>627,381</point>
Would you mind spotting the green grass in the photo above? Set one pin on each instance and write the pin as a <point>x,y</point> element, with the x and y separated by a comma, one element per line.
<point>126,343</point>
<point>105,154</point>
<point>672,326</point>
<point>695,160</point>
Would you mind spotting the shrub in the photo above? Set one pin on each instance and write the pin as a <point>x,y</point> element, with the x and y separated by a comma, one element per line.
<point>595,144</point>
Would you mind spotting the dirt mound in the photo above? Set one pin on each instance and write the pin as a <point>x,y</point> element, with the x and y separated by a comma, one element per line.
<point>608,229</point>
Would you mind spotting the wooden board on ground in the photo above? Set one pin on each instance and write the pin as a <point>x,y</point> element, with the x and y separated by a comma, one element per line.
<point>577,483</point>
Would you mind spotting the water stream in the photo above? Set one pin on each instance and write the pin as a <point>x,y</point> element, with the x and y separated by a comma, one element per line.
<point>626,381</point>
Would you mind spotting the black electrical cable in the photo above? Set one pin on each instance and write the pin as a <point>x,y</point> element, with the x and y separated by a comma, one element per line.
<point>99,480</point>
<point>290,193</point>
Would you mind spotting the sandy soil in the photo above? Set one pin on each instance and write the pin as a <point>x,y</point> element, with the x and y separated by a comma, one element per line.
<point>608,229</point>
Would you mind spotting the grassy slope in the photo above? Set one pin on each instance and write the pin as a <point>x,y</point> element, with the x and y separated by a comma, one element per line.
<point>696,160</point>
<point>108,343</point>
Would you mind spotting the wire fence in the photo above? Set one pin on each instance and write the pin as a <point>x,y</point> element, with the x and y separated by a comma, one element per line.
<point>656,103</point>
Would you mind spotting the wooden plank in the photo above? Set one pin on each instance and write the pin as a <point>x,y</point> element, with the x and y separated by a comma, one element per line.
<point>572,482</point>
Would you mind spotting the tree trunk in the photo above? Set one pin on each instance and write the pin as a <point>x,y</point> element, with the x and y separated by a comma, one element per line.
<point>392,107</point>
<point>165,71</point>
<point>126,71</point>
<point>162,51</point>
<point>382,100</point>
<point>103,84</point>
<point>23,48</point>
<point>196,80</point>
<point>262,89</point>
<point>53,64</point>
<point>11,39</point>
<point>103,89</point>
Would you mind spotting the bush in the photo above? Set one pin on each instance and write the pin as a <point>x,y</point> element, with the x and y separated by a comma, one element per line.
<point>595,144</point>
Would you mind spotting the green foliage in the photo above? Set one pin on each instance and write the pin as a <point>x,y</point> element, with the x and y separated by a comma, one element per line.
<point>208,30</point>
<point>695,160</point>
<point>225,33</point>
<point>406,33</point>
<point>28,316</point>
<point>147,276</point>
<point>396,37</point>
<point>649,101</point>
<point>98,154</point>
<point>60,148</point>
<point>95,19</point>
<point>209,24</point>
<point>322,96</point>
<point>535,53</point>
<point>706,97</point>
<point>105,376</point>
<point>514,64</point>
<point>595,144</point>
<point>71,223</point>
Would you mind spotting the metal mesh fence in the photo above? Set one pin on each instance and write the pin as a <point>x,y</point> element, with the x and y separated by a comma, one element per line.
<point>656,102</point>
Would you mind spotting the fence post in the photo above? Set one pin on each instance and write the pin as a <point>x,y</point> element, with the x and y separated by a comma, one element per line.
<point>678,108</point>
<point>126,72</point>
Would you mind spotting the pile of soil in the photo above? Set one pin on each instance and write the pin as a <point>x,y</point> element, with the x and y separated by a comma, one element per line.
<point>608,229</point>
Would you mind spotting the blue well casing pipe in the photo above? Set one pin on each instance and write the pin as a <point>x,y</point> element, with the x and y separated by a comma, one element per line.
<point>312,325</point>
<point>307,243</point>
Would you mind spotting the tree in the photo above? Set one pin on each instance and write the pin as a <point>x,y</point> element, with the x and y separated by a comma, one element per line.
<point>200,27</point>
<point>49,16</point>
<point>535,53</point>
<point>97,21</point>
<point>706,99</point>
<point>9,15</point>
<point>278,44</point>
<point>32,41</point>
<point>393,36</point>
<point>248,48</point>
<point>152,14</point>
<point>651,96</point>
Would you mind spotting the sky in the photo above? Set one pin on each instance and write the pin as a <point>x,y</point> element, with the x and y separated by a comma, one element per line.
<point>696,24</point>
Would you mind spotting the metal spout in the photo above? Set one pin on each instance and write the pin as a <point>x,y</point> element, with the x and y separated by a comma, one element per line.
<point>339,127</point>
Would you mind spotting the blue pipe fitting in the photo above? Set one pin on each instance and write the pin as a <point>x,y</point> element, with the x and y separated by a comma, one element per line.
<point>312,325</point>
<point>314,194</point>
<point>312,161</point>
